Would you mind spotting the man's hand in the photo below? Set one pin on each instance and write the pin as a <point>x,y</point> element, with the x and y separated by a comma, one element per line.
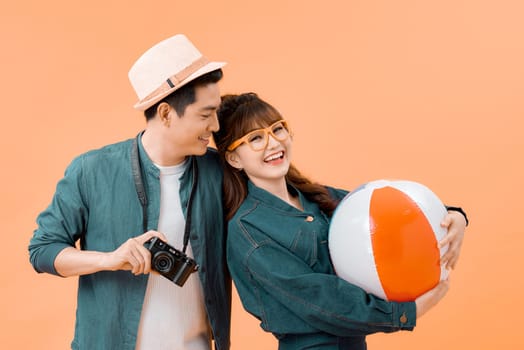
<point>132,255</point>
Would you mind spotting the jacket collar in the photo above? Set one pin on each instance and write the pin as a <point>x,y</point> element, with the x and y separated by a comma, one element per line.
<point>271,200</point>
<point>148,165</point>
<point>146,162</point>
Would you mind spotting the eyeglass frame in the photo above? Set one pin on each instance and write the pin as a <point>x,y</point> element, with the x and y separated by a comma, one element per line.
<point>268,131</point>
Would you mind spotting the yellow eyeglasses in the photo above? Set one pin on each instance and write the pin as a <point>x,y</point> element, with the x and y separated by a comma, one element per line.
<point>258,139</point>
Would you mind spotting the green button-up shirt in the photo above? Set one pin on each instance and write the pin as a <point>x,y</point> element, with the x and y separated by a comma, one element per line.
<point>279,260</point>
<point>96,204</point>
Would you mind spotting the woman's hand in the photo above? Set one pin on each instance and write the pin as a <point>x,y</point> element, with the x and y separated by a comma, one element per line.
<point>431,298</point>
<point>455,223</point>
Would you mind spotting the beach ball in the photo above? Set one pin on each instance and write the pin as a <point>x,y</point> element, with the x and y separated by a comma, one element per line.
<point>383,237</point>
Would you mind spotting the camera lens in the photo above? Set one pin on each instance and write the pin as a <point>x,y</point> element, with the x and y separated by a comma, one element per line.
<point>163,262</point>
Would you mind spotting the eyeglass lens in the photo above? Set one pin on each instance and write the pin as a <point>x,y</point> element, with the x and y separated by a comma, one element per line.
<point>258,138</point>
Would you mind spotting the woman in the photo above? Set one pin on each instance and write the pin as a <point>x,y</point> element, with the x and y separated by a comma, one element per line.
<point>277,240</point>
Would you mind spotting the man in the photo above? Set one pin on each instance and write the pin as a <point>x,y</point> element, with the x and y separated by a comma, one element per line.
<point>165,183</point>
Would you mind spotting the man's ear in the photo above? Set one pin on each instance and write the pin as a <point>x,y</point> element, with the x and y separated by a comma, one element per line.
<point>163,114</point>
<point>233,160</point>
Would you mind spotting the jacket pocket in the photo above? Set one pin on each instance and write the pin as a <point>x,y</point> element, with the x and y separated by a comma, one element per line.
<point>305,246</point>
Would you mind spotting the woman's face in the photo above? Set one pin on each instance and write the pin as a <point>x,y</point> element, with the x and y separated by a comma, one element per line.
<point>264,154</point>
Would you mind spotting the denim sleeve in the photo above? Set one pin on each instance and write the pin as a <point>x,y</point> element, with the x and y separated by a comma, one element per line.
<point>323,301</point>
<point>62,223</point>
<point>337,193</point>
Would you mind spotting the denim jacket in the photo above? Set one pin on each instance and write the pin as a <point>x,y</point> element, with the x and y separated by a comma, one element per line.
<point>279,260</point>
<point>96,204</point>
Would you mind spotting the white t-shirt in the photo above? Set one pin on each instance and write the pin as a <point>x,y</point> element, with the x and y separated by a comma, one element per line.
<point>173,317</point>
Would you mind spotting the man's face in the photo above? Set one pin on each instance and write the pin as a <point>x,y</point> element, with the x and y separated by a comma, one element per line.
<point>191,133</point>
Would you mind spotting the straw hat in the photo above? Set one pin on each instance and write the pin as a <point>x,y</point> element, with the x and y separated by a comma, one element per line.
<point>166,67</point>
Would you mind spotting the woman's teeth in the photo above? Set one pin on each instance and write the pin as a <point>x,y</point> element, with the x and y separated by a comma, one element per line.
<point>274,156</point>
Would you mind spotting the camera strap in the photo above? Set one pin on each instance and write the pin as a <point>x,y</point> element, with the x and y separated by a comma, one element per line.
<point>142,195</point>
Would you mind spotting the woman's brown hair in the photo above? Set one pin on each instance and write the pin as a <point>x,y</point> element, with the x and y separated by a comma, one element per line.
<point>238,115</point>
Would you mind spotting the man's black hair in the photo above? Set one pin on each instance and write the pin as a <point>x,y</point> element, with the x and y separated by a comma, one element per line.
<point>185,96</point>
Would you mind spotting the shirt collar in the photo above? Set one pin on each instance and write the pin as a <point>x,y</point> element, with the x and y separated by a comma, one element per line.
<point>146,162</point>
<point>277,203</point>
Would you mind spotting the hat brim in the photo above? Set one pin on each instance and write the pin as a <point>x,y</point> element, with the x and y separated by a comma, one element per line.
<point>211,66</point>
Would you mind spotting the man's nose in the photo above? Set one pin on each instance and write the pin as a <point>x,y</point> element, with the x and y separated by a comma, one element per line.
<point>214,125</point>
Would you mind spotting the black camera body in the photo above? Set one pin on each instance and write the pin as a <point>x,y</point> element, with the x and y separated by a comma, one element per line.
<point>170,262</point>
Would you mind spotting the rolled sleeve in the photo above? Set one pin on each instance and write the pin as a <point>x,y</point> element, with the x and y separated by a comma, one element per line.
<point>62,223</point>
<point>43,258</point>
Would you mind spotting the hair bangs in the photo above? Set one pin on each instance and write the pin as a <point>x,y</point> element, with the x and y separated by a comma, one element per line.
<point>254,115</point>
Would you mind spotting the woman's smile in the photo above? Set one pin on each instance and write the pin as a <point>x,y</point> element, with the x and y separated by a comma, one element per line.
<point>275,158</point>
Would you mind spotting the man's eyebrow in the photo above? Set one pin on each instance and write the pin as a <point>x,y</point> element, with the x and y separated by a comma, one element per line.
<point>209,108</point>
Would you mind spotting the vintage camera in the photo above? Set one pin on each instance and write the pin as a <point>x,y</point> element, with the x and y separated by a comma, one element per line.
<point>170,262</point>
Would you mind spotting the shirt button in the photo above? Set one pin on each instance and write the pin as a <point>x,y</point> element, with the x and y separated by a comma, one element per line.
<point>310,218</point>
<point>403,318</point>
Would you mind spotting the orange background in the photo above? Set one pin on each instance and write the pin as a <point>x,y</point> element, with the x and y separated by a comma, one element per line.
<point>430,91</point>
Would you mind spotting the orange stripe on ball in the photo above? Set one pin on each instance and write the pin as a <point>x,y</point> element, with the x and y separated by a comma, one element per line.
<point>404,245</point>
